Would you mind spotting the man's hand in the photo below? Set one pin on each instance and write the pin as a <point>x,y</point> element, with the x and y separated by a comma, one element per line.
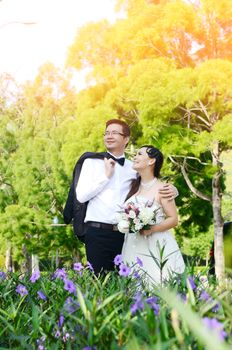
<point>168,191</point>
<point>109,167</point>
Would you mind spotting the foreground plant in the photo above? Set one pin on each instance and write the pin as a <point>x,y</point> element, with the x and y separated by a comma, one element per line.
<point>72,309</point>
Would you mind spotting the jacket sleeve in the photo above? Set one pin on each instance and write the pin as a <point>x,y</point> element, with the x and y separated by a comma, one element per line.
<point>68,209</point>
<point>71,202</point>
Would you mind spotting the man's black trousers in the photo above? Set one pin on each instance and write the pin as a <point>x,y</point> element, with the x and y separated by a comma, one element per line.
<point>102,245</point>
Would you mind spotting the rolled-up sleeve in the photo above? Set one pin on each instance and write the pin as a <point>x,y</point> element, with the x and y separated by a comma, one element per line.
<point>176,191</point>
<point>89,183</point>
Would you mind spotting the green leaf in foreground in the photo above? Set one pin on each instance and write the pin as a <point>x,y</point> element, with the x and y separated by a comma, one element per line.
<point>194,322</point>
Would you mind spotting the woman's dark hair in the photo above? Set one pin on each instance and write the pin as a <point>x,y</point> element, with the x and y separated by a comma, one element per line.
<point>152,153</point>
<point>155,153</point>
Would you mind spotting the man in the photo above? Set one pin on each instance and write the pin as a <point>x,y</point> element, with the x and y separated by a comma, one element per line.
<point>104,184</point>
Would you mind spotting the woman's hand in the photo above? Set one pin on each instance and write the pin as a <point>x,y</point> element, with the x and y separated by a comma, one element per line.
<point>146,232</point>
<point>109,167</point>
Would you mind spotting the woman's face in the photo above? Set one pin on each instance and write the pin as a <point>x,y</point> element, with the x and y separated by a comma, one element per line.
<point>141,159</point>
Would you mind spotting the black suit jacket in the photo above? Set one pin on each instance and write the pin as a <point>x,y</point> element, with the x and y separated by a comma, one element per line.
<point>73,208</point>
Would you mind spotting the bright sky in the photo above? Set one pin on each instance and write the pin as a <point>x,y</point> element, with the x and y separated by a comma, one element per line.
<point>24,47</point>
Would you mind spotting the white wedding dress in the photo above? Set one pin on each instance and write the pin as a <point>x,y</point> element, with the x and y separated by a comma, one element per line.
<point>143,247</point>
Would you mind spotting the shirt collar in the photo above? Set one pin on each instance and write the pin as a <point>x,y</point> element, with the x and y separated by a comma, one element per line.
<point>122,156</point>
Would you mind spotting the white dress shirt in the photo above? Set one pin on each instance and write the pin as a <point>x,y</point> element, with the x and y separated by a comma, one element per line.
<point>105,195</point>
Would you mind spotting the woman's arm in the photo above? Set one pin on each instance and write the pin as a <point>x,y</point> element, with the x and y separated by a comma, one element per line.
<point>171,220</point>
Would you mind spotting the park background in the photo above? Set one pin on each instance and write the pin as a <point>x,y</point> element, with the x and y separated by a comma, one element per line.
<point>164,67</point>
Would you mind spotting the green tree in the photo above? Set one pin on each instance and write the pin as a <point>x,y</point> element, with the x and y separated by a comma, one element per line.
<point>8,146</point>
<point>199,101</point>
<point>37,173</point>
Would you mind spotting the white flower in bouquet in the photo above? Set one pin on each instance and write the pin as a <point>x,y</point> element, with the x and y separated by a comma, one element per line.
<point>146,216</point>
<point>132,214</point>
<point>138,226</point>
<point>123,226</point>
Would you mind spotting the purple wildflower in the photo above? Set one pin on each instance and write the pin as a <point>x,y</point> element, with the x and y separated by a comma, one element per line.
<point>41,295</point>
<point>66,337</point>
<point>138,305</point>
<point>214,325</point>
<point>124,270</point>
<point>78,266</point>
<point>135,307</point>
<point>60,321</point>
<point>136,275</point>
<point>70,286</point>
<point>216,307</point>
<point>89,266</point>
<point>60,273</point>
<point>40,343</point>
<point>20,289</point>
<point>2,275</point>
<point>191,282</point>
<point>156,309</point>
<point>204,296</point>
<point>152,302</point>
<point>183,297</point>
<point>57,334</point>
<point>71,305</point>
<point>118,259</point>
<point>139,261</point>
<point>35,276</point>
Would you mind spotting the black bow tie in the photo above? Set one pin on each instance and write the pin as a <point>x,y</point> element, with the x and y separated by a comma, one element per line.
<point>120,161</point>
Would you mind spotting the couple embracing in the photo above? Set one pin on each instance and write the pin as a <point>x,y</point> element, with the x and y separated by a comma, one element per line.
<point>109,182</point>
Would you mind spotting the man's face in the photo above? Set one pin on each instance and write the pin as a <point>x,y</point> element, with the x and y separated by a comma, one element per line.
<point>114,139</point>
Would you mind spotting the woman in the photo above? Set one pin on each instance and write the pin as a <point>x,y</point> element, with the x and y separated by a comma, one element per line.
<point>148,245</point>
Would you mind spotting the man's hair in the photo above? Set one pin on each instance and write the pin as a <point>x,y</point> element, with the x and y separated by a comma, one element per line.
<point>125,126</point>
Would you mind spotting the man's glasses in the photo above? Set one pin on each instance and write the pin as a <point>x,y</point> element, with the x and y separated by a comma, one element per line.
<point>113,133</point>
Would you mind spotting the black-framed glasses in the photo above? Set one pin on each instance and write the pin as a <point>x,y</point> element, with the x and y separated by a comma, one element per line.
<point>114,133</point>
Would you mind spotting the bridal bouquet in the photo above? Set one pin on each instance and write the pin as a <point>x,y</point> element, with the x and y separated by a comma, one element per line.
<point>135,216</point>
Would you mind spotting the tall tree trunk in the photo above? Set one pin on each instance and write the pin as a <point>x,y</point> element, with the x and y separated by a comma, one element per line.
<point>217,216</point>
<point>216,204</point>
<point>26,264</point>
<point>8,259</point>
<point>76,255</point>
<point>34,262</point>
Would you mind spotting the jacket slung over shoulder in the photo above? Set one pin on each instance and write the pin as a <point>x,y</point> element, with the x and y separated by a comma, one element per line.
<point>74,210</point>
